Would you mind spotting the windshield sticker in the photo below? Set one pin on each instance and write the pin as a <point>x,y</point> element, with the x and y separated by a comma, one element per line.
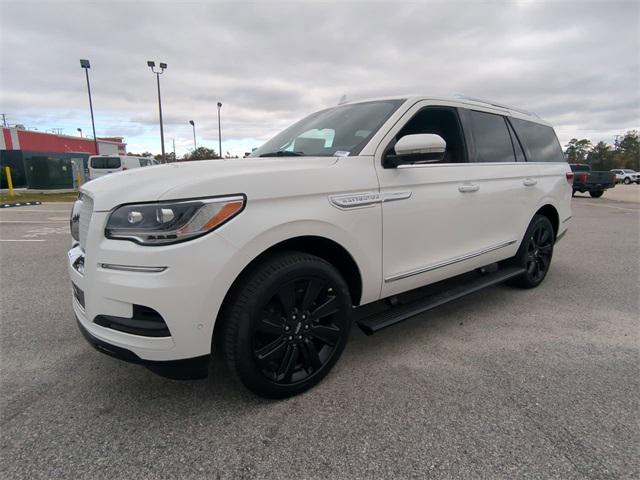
<point>342,153</point>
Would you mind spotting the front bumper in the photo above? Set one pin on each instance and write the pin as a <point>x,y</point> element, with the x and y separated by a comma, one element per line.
<point>186,294</point>
<point>186,369</point>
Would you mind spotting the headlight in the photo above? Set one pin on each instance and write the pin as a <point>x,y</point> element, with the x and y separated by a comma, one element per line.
<point>162,223</point>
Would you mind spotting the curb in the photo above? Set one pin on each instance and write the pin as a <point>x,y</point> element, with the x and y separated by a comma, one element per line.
<point>19,204</point>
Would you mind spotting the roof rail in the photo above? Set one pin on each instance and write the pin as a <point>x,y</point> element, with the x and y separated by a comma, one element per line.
<point>494,104</point>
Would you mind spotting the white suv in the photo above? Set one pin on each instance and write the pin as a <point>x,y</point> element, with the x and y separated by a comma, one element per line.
<point>267,256</point>
<point>626,176</point>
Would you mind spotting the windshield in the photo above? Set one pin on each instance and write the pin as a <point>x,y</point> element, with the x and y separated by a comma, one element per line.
<point>340,131</point>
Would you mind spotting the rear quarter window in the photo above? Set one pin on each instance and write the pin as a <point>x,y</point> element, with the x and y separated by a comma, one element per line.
<point>539,141</point>
<point>105,162</point>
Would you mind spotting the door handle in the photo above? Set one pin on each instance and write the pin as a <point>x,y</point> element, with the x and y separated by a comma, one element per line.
<point>468,187</point>
<point>529,182</point>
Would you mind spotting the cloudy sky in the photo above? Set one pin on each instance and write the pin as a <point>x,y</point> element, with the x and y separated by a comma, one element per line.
<point>269,63</point>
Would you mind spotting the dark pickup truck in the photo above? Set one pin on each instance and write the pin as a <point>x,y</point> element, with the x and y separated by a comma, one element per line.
<point>585,180</point>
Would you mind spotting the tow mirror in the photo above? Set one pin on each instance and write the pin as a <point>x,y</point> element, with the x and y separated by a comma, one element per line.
<point>417,148</point>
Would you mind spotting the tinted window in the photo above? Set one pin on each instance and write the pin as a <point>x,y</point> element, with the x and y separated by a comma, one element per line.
<point>580,168</point>
<point>491,138</point>
<point>105,162</point>
<point>539,141</point>
<point>440,121</point>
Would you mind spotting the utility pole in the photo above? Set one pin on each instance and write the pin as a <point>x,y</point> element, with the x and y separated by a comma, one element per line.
<point>86,65</point>
<point>4,120</point>
<point>219,131</point>
<point>174,150</point>
<point>151,64</point>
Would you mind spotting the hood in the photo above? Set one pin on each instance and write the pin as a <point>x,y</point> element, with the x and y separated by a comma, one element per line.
<point>255,177</point>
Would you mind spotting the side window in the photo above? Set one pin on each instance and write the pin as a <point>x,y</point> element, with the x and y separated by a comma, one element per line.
<point>539,141</point>
<point>443,122</point>
<point>517,148</point>
<point>491,138</point>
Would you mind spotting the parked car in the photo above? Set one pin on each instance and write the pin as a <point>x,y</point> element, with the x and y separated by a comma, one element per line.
<point>626,176</point>
<point>268,256</point>
<point>100,165</point>
<point>586,180</point>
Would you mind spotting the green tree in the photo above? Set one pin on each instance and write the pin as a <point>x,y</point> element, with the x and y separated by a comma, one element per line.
<point>601,157</point>
<point>577,150</point>
<point>627,152</point>
<point>201,153</point>
<point>170,157</point>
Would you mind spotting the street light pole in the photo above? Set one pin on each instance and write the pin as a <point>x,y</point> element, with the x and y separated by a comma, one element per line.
<point>152,65</point>
<point>86,65</point>
<point>193,124</point>
<point>219,130</point>
<point>80,130</point>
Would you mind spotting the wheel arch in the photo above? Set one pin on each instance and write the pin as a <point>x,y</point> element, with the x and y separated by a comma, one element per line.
<point>325,248</point>
<point>551,213</point>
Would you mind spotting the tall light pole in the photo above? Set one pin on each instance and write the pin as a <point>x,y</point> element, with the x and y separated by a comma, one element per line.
<point>193,124</point>
<point>152,65</point>
<point>86,65</point>
<point>80,130</point>
<point>219,130</point>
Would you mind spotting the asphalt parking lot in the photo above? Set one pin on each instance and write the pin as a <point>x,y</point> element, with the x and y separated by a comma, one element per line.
<point>503,384</point>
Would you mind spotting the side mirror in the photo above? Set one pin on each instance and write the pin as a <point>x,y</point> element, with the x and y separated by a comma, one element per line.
<point>417,148</point>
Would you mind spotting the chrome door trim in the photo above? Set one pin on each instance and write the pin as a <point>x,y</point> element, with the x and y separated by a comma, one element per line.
<point>348,201</point>
<point>393,196</point>
<point>448,262</point>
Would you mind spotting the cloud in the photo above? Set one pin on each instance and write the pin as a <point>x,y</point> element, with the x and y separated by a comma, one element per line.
<point>270,63</point>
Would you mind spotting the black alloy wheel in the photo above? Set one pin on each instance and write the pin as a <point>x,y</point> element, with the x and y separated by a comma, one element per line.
<point>539,250</point>
<point>535,253</point>
<point>297,330</point>
<point>286,324</point>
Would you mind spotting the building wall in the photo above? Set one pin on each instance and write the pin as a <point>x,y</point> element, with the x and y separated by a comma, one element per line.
<point>44,160</point>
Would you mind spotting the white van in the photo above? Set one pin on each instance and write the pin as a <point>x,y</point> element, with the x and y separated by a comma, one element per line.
<point>100,165</point>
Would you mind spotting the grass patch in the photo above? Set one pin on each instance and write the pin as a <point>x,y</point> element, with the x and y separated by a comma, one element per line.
<point>38,197</point>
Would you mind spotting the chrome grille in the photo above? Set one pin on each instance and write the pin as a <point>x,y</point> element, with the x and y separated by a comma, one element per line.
<point>86,210</point>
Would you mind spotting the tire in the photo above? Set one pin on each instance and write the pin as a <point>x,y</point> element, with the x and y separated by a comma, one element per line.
<point>597,194</point>
<point>535,253</point>
<point>286,324</point>
<point>627,181</point>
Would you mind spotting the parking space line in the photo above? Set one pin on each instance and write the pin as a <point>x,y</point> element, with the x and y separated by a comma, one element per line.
<point>37,211</point>
<point>32,221</point>
<point>612,206</point>
<point>21,240</point>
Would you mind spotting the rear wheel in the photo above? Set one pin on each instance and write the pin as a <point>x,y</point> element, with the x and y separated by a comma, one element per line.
<point>627,181</point>
<point>535,253</point>
<point>287,324</point>
<point>597,193</point>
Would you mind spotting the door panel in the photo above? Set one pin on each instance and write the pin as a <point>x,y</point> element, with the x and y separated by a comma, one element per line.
<point>460,216</point>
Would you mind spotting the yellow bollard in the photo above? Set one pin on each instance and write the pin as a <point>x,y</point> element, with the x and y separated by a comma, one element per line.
<point>78,181</point>
<point>7,171</point>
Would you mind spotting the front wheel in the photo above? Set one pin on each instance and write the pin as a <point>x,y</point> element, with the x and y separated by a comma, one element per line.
<point>597,194</point>
<point>287,324</point>
<point>535,253</point>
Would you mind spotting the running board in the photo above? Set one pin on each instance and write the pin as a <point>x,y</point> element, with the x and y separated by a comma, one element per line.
<point>375,323</point>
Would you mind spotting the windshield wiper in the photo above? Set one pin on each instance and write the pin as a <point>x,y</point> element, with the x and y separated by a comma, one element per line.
<point>282,153</point>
